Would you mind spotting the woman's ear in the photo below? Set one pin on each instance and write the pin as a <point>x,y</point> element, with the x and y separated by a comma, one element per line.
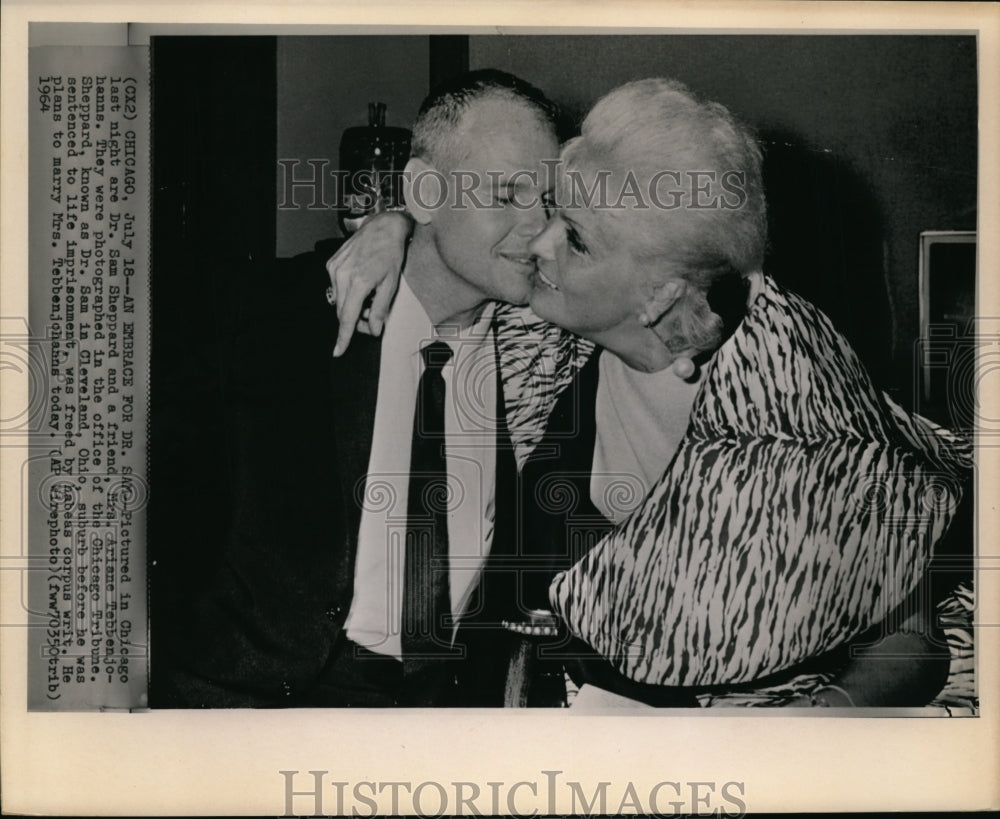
<point>664,296</point>
<point>424,190</point>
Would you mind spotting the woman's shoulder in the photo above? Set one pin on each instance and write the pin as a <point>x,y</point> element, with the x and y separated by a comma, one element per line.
<point>787,371</point>
<point>779,315</point>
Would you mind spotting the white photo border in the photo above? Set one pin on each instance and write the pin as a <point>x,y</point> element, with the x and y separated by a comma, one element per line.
<point>167,762</point>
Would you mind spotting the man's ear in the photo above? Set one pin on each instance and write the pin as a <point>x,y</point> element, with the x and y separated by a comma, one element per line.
<point>664,296</point>
<point>424,190</point>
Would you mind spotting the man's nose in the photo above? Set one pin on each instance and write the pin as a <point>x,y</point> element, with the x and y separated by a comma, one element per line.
<point>532,220</point>
<point>543,246</point>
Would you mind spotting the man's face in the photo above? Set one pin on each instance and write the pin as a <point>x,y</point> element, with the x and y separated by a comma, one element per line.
<point>494,206</point>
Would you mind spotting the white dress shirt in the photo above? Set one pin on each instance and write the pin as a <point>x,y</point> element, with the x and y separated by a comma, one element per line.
<point>470,444</point>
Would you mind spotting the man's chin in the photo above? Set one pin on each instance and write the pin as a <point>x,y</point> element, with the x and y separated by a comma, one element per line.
<point>519,296</point>
<point>541,304</point>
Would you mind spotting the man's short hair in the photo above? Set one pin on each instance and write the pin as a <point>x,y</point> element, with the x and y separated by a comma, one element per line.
<point>436,130</point>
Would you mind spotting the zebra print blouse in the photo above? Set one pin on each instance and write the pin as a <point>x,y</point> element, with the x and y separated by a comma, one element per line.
<point>800,509</point>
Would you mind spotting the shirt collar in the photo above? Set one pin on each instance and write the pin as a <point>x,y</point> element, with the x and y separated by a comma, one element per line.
<point>413,329</point>
<point>410,326</point>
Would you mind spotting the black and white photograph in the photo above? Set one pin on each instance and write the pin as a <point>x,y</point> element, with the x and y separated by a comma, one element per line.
<point>577,383</point>
<point>647,492</point>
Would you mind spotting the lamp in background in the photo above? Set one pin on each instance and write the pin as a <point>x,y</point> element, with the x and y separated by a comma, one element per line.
<point>372,158</point>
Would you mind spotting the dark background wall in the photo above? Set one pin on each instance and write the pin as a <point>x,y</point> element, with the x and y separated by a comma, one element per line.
<point>870,140</point>
<point>324,85</point>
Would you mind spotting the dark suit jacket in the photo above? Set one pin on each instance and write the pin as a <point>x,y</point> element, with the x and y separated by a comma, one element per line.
<point>260,628</point>
<point>565,525</point>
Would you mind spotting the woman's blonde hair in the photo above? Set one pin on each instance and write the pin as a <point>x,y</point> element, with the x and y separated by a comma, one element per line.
<point>657,129</point>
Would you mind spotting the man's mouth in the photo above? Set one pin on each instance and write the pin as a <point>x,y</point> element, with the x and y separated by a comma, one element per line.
<point>546,281</point>
<point>527,261</point>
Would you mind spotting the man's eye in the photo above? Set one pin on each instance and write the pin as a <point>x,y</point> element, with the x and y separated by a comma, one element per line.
<point>508,196</point>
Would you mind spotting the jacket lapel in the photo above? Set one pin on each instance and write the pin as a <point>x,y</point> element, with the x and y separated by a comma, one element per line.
<point>498,584</point>
<point>354,381</point>
<point>506,501</point>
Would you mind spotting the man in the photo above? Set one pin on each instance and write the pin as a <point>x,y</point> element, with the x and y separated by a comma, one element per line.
<point>473,189</point>
<point>356,570</point>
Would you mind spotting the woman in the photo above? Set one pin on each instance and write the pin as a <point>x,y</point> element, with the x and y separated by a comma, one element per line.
<point>780,504</point>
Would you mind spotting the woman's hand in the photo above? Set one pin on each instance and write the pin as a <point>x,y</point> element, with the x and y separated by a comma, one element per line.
<point>905,667</point>
<point>371,260</point>
<point>826,696</point>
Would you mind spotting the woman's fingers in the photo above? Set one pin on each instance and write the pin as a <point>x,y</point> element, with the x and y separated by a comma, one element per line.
<point>349,289</point>
<point>348,312</point>
<point>368,266</point>
<point>381,301</point>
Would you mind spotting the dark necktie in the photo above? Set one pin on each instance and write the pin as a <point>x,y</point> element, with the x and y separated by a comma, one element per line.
<point>427,623</point>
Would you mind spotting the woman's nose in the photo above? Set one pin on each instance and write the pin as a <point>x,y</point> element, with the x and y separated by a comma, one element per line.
<point>543,246</point>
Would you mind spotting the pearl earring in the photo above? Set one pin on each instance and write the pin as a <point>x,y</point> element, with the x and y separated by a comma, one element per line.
<point>685,368</point>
